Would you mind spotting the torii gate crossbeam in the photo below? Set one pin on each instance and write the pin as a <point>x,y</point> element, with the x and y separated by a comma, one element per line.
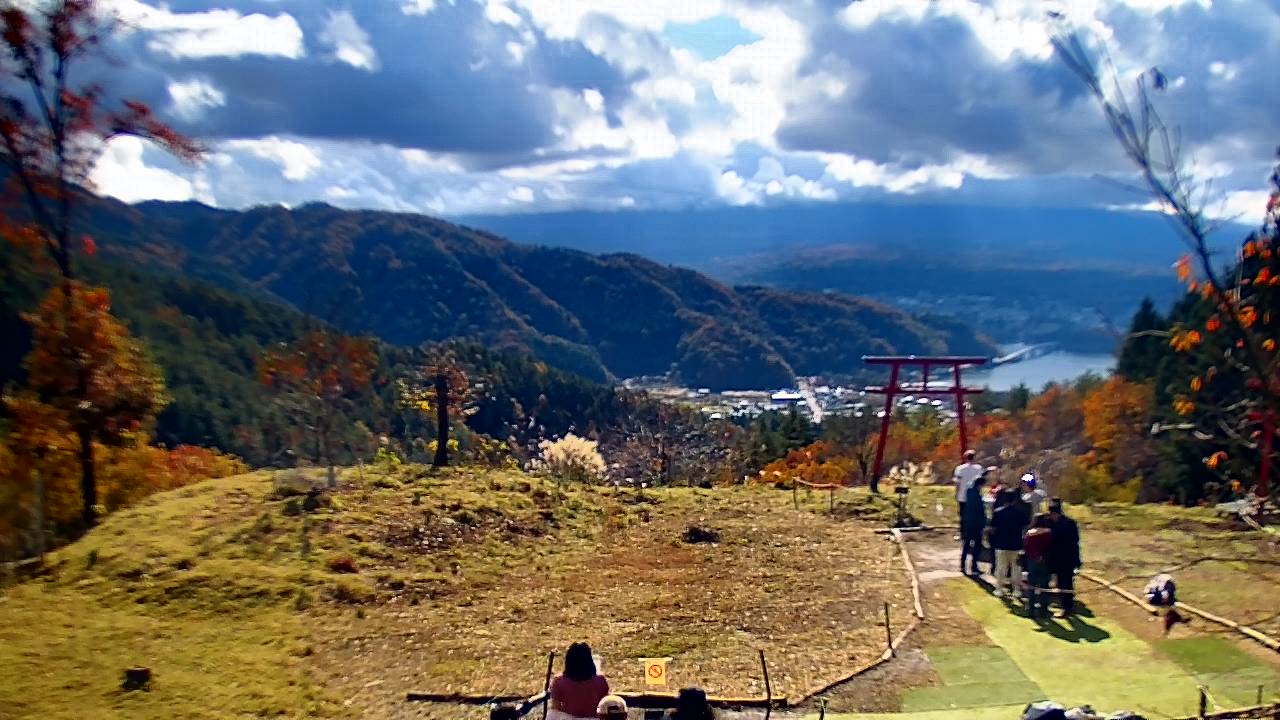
<point>896,387</point>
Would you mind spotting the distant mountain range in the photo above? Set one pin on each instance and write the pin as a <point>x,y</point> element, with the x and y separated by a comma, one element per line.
<point>411,279</point>
<point>715,240</point>
<point>1031,274</point>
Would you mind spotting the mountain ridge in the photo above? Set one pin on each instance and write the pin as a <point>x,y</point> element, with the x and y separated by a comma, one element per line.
<point>411,278</point>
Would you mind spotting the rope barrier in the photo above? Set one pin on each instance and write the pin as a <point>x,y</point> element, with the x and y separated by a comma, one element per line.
<point>1251,633</point>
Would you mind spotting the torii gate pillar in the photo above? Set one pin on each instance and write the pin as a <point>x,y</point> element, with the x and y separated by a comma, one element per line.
<point>896,387</point>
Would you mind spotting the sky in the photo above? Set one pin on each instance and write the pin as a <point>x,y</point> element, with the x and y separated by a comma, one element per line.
<point>454,107</point>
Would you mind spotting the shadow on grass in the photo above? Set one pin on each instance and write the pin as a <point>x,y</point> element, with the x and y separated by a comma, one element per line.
<point>1074,630</point>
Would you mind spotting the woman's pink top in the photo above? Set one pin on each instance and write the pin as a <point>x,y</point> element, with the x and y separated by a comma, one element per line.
<point>578,697</point>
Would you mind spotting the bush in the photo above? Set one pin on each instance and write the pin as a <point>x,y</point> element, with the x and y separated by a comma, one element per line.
<point>341,564</point>
<point>1081,483</point>
<point>352,591</point>
<point>292,483</point>
<point>570,458</point>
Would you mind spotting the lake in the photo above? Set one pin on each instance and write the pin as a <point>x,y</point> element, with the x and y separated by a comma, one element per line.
<point>1038,372</point>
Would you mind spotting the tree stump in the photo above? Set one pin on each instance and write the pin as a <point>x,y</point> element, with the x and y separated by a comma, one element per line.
<point>696,534</point>
<point>311,502</point>
<point>136,678</point>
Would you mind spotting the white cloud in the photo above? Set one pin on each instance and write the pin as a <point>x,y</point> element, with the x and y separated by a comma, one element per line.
<point>417,7</point>
<point>1246,206</point>
<point>521,193</point>
<point>214,33</point>
<point>1224,71</point>
<point>499,14</point>
<point>733,189</point>
<point>791,115</point>
<point>190,98</point>
<point>296,160</point>
<point>418,160</point>
<point>348,41</point>
<point>563,18</point>
<point>122,173</point>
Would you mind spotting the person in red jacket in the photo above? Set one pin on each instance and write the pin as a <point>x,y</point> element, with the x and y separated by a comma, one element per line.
<point>1035,546</point>
<point>577,691</point>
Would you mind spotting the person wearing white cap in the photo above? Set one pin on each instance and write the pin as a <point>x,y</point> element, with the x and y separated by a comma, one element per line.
<point>1033,495</point>
<point>611,707</point>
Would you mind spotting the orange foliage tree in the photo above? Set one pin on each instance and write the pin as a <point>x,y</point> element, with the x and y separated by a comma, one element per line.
<point>84,365</point>
<point>1117,422</point>
<point>37,461</point>
<point>52,132</point>
<point>316,378</point>
<point>820,463</point>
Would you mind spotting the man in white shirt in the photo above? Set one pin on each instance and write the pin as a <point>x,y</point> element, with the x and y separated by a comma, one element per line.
<point>964,476</point>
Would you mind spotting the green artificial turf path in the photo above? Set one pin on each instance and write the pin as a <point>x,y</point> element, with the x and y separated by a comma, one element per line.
<point>1231,676</point>
<point>972,677</point>
<point>1083,660</point>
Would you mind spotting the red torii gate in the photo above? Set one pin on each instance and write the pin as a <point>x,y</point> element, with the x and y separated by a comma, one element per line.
<point>895,388</point>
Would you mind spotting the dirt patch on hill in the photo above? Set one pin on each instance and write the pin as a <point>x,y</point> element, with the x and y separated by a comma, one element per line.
<point>807,589</point>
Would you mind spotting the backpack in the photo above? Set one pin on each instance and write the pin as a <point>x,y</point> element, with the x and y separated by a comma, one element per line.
<point>1044,710</point>
<point>1161,591</point>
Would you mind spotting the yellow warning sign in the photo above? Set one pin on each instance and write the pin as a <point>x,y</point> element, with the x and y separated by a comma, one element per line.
<point>655,670</point>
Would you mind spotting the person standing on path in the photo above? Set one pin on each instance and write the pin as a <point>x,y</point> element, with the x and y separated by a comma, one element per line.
<point>1008,522</point>
<point>1063,556</point>
<point>1035,546</point>
<point>1033,494</point>
<point>964,475</point>
<point>973,524</point>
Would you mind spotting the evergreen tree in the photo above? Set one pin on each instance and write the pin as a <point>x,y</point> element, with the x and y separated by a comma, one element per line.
<point>1145,345</point>
<point>1019,396</point>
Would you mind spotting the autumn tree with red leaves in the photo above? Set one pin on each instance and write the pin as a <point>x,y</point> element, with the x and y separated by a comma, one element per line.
<point>317,377</point>
<point>1230,389</point>
<point>52,133</point>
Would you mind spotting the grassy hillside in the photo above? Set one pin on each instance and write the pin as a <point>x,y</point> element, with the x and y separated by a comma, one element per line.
<point>412,278</point>
<point>461,581</point>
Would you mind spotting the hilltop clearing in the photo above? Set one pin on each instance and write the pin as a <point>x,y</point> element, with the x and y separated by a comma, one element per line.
<point>243,604</point>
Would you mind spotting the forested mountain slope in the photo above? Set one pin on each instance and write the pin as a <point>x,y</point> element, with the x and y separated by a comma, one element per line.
<point>411,279</point>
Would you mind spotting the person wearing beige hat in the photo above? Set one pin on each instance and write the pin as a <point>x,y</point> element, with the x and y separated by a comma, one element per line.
<point>611,707</point>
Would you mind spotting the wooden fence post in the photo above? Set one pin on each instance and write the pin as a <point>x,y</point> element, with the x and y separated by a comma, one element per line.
<point>768,690</point>
<point>888,631</point>
<point>546,685</point>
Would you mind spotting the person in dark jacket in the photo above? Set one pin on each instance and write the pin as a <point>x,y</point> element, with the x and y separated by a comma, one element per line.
<point>973,526</point>
<point>691,704</point>
<point>1035,548</point>
<point>1005,535</point>
<point>1063,556</point>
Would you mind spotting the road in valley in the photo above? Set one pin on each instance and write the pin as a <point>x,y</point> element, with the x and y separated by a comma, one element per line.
<point>806,389</point>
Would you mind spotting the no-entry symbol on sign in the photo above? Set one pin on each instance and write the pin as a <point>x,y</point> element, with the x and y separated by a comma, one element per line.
<point>655,670</point>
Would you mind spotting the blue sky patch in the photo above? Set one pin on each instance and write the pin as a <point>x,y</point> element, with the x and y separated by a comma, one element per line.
<point>710,38</point>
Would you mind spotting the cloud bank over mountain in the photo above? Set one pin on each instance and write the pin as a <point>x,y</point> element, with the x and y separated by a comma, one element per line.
<point>508,106</point>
